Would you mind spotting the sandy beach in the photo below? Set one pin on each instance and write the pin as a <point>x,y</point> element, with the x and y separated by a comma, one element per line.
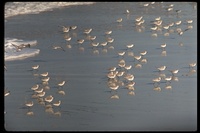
<point>87,101</point>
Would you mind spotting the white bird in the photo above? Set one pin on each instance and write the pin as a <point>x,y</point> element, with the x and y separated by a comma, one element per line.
<point>119,20</point>
<point>35,67</point>
<point>61,83</point>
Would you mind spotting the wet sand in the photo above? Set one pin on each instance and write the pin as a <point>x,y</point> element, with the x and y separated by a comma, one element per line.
<point>87,103</point>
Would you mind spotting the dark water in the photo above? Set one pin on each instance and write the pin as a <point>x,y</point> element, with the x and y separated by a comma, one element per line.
<point>87,105</point>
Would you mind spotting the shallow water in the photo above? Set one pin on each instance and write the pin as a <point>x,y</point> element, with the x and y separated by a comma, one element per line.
<point>87,105</point>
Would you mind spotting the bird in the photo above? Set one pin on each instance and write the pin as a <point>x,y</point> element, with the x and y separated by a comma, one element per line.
<point>156,80</point>
<point>57,103</point>
<point>35,87</point>
<point>87,31</point>
<point>119,20</point>
<point>127,11</point>
<point>163,46</point>
<point>192,65</point>
<point>35,67</point>
<point>108,32</point>
<point>6,93</point>
<point>174,71</point>
<point>80,41</point>
<point>44,74</point>
<point>29,104</point>
<point>49,98</point>
<point>58,47</point>
<point>65,29</point>
<point>21,46</point>
<point>60,84</point>
<point>161,68</point>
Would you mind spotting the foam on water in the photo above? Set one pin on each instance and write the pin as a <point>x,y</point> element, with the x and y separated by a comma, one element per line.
<point>12,54</point>
<point>16,8</point>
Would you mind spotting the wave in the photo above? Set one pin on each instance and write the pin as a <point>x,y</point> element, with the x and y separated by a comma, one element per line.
<point>17,8</point>
<point>11,52</point>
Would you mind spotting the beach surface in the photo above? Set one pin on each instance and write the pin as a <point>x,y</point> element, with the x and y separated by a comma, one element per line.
<point>88,103</point>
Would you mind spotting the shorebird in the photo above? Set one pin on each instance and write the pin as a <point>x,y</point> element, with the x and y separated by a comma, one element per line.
<point>122,64</point>
<point>46,79</point>
<point>68,39</point>
<point>87,31</point>
<point>39,90</point>
<point>127,11</point>
<point>112,69</point>
<point>128,67</point>
<point>130,84</point>
<point>154,28</point>
<point>138,57</point>
<point>41,94</point>
<point>138,18</point>
<point>6,93</point>
<point>189,21</point>
<point>21,46</point>
<point>29,104</point>
<point>129,77</point>
<point>156,80</point>
<point>161,68</point>
<point>168,79</point>
<point>44,74</point>
<point>49,98</point>
<point>65,29</point>
<point>114,87</point>
<point>35,67</point>
<point>145,5</point>
<point>120,73</point>
<point>143,53</point>
<point>80,41</point>
<point>60,84</point>
<point>122,53</point>
<point>166,27</point>
<point>192,65</point>
<point>111,75</point>
<point>35,87</point>
<point>110,40</point>
<point>57,103</point>
<point>169,9</point>
<point>119,20</point>
<point>129,46</point>
<point>108,32</point>
<point>95,44</point>
<point>92,38</point>
<point>163,46</point>
<point>158,23</point>
<point>58,47</point>
<point>174,71</point>
<point>73,27</point>
<point>178,22</point>
<point>103,44</point>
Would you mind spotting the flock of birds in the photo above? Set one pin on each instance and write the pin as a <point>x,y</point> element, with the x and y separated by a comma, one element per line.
<point>120,75</point>
<point>41,94</point>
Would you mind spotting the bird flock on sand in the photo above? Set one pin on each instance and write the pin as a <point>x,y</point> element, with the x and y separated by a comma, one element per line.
<point>120,75</point>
